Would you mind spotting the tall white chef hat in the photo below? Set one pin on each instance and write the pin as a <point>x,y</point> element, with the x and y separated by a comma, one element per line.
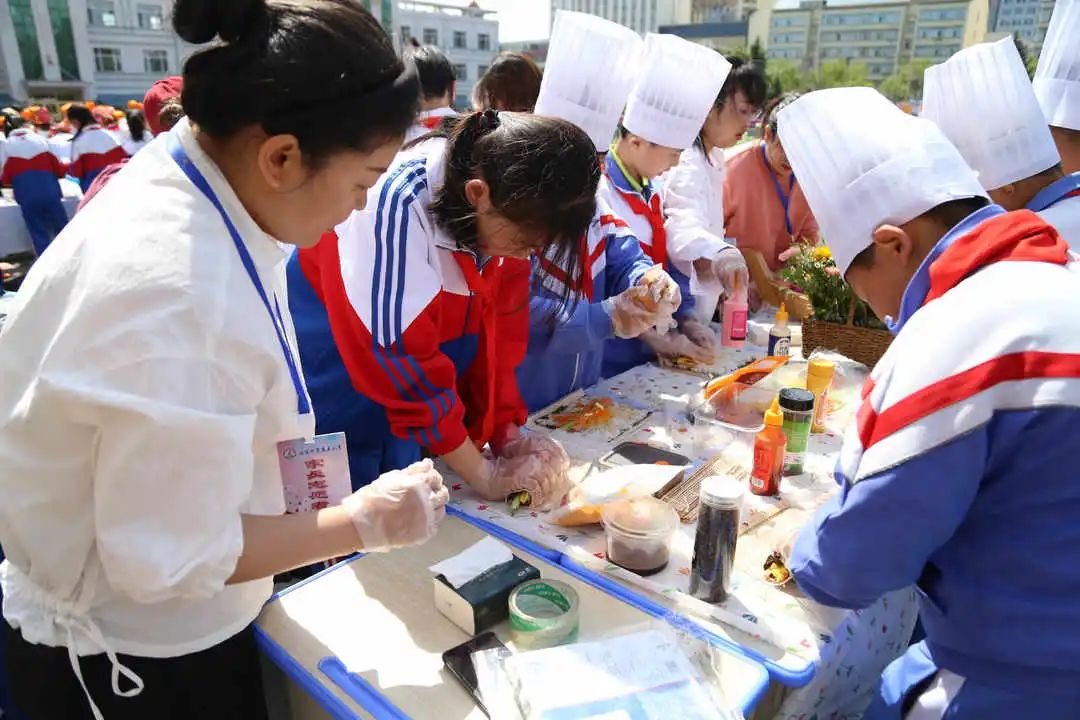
<point>676,88</point>
<point>862,162</point>
<point>1057,78</point>
<point>982,100</point>
<point>591,64</point>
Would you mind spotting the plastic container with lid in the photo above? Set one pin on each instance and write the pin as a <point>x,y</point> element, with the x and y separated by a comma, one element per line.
<point>716,538</point>
<point>639,533</point>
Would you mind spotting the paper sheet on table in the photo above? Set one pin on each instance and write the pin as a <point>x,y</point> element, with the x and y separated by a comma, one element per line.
<point>643,675</point>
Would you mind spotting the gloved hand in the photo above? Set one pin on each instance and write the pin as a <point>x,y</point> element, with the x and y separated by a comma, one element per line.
<point>674,344</point>
<point>503,436</point>
<point>533,464</point>
<point>700,334</point>
<point>650,303</point>
<point>730,269</point>
<point>401,508</point>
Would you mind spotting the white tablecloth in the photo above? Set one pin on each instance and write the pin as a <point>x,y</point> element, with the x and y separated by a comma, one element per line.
<point>848,649</point>
<point>13,235</point>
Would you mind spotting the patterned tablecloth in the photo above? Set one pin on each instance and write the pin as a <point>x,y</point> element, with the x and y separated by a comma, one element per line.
<point>846,650</point>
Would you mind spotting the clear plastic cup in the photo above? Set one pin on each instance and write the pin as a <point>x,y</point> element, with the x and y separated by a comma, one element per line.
<point>639,533</point>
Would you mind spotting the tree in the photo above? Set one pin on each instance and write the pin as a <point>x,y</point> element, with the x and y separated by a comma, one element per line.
<point>906,83</point>
<point>1025,55</point>
<point>784,76</point>
<point>839,73</point>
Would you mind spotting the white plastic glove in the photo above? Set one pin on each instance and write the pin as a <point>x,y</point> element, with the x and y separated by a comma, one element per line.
<point>401,508</point>
<point>650,303</point>
<point>534,464</point>
<point>701,335</point>
<point>674,344</point>
<point>730,269</point>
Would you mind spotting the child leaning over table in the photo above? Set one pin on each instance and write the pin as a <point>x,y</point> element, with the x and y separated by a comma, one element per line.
<point>663,117</point>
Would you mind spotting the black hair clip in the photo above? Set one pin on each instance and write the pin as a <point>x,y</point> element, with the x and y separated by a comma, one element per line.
<point>488,121</point>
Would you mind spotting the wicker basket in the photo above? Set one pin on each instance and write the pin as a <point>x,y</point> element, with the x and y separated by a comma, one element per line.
<point>865,345</point>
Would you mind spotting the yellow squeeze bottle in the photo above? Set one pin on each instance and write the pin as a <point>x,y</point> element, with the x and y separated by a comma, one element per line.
<point>819,376</point>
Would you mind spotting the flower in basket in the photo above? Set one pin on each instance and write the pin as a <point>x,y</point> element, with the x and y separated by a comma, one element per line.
<point>810,269</point>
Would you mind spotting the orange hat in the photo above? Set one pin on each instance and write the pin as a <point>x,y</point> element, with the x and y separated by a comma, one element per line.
<point>27,113</point>
<point>118,114</point>
<point>64,108</point>
<point>134,105</point>
<point>90,104</point>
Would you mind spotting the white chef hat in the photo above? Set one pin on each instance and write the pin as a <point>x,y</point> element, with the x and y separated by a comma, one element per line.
<point>1057,78</point>
<point>590,67</point>
<point>982,100</point>
<point>676,88</point>
<point>862,162</point>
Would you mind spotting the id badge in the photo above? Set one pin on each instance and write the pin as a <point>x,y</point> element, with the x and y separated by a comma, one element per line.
<point>315,472</point>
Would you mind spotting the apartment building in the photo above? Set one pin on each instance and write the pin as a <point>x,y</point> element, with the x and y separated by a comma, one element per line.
<point>468,35</point>
<point>640,15</point>
<point>1027,19</point>
<point>883,34</point>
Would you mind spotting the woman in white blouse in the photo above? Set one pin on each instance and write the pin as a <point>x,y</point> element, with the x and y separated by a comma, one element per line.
<point>694,190</point>
<point>149,373</point>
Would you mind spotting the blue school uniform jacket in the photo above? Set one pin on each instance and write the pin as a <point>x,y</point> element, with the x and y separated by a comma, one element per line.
<point>566,341</point>
<point>960,475</point>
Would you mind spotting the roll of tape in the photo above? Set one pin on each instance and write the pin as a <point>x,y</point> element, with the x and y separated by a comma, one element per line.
<point>543,613</point>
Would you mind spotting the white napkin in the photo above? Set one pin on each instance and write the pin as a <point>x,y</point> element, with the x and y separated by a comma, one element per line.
<point>465,566</point>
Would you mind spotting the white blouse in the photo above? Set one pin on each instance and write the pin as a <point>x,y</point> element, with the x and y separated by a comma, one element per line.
<point>144,392</point>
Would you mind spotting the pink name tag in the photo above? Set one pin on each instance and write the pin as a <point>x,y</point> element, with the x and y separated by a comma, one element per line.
<point>315,473</point>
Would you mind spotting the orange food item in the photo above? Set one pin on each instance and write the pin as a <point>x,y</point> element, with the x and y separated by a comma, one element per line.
<point>588,414</point>
<point>748,375</point>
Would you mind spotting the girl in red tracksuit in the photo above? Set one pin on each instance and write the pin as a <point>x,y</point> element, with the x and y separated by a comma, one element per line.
<point>412,316</point>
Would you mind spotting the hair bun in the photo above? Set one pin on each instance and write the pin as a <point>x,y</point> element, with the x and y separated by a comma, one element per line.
<point>200,21</point>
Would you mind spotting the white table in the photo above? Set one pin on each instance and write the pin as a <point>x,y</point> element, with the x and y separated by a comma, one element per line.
<point>375,617</point>
<point>832,658</point>
<point>13,235</point>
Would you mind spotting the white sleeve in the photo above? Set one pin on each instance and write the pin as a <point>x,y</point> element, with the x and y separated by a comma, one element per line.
<point>691,233</point>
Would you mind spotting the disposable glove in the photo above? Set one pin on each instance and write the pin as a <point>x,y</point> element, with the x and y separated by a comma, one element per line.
<point>730,269</point>
<point>650,303</point>
<point>533,464</point>
<point>674,344</point>
<point>701,335</point>
<point>401,508</point>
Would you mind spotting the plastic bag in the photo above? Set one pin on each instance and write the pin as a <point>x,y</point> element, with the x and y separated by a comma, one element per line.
<point>586,501</point>
<point>654,669</point>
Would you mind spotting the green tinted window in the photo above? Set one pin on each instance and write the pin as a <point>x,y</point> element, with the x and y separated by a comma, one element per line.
<point>60,18</point>
<point>22,17</point>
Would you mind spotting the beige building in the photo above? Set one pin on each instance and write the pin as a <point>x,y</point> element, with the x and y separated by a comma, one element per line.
<point>883,35</point>
<point>639,15</point>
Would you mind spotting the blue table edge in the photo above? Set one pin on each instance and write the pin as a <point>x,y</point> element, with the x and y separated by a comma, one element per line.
<point>379,707</point>
<point>783,675</point>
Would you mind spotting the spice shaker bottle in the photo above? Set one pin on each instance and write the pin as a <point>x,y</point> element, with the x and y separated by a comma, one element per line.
<point>716,537</point>
<point>798,407</point>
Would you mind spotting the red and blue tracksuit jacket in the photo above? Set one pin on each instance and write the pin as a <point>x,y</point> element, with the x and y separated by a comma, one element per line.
<point>33,172</point>
<point>94,149</point>
<point>407,341</point>
<point>566,341</point>
<point>643,210</point>
<point>959,476</point>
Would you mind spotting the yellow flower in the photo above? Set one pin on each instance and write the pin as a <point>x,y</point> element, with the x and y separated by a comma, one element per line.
<point>822,253</point>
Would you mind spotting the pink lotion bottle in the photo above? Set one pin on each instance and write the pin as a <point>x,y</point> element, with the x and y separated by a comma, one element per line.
<point>734,316</point>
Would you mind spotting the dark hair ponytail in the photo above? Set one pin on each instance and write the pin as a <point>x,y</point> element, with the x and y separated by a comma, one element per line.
<point>82,115</point>
<point>542,173</point>
<point>136,125</point>
<point>321,70</point>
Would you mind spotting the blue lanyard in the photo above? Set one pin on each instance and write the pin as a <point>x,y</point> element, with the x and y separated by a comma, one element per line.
<point>785,200</point>
<point>303,405</point>
<point>1055,192</point>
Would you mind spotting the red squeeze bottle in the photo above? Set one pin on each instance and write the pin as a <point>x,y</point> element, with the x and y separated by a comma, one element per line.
<point>769,447</point>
